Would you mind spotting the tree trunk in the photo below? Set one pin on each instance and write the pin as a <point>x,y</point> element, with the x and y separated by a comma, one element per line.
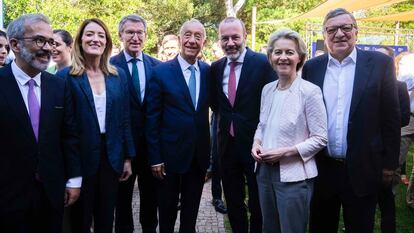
<point>232,10</point>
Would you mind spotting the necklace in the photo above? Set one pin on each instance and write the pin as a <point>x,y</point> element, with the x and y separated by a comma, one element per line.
<point>279,88</point>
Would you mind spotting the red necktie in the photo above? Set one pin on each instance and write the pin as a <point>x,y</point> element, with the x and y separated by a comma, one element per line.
<point>232,90</point>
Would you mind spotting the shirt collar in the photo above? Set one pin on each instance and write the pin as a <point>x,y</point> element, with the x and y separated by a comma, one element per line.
<point>129,57</point>
<point>240,59</point>
<point>350,58</point>
<point>185,65</point>
<point>22,77</point>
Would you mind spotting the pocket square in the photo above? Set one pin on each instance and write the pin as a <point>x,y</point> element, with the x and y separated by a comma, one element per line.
<point>58,107</point>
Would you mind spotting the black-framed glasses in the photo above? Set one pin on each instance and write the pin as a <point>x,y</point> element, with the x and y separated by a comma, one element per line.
<point>39,40</point>
<point>130,34</point>
<point>344,28</point>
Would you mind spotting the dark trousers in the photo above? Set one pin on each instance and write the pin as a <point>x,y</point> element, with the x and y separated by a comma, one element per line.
<point>216,190</point>
<point>97,199</point>
<point>235,175</point>
<point>148,218</point>
<point>333,191</point>
<point>190,186</point>
<point>386,205</point>
<point>40,217</point>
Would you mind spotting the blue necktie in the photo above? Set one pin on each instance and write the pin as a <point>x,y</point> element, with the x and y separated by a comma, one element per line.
<point>192,85</point>
<point>135,77</point>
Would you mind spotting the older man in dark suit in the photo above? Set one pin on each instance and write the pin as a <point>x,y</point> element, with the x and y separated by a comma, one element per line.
<point>138,66</point>
<point>239,78</point>
<point>361,100</point>
<point>178,130</point>
<point>38,135</point>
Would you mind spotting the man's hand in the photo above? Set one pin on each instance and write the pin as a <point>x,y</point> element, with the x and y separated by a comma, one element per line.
<point>274,155</point>
<point>71,195</point>
<point>256,151</point>
<point>387,176</point>
<point>158,171</point>
<point>127,170</point>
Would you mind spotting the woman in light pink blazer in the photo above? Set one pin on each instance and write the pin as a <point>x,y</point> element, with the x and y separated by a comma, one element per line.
<point>292,129</point>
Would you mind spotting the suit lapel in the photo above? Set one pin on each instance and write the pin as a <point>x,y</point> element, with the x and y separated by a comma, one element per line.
<point>362,73</point>
<point>320,68</point>
<point>46,103</point>
<point>203,87</point>
<point>178,74</point>
<point>148,72</point>
<point>222,66</point>
<point>110,87</point>
<point>9,88</point>
<point>124,65</point>
<point>86,88</point>
<point>245,73</point>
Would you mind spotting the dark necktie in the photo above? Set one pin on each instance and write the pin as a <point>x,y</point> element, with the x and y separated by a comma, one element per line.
<point>192,85</point>
<point>135,77</point>
<point>232,90</point>
<point>34,108</point>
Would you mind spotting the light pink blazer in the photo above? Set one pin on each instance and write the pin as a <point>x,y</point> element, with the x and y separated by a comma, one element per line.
<point>302,123</point>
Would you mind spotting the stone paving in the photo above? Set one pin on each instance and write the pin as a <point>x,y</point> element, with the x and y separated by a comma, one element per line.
<point>208,220</point>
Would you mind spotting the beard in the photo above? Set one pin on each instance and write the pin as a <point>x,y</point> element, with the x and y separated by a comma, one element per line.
<point>30,58</point>
<point>235,56</point>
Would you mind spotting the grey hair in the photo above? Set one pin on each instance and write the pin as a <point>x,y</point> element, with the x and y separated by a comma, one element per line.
<point>232,19</point>
<point>336,12</point>
<point>190,22</point>
<point>290,35</point>
<point>134,18</point>
<point>17,28</point>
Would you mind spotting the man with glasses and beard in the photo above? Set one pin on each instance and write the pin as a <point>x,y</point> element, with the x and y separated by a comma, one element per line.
<point>39,168</point>
<point>138,66</point>
<point>362,105</point>
<point>239,79</point>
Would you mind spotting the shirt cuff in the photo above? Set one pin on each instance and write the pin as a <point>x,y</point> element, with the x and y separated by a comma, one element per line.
<point>75,182</point>
<point>155,165</point>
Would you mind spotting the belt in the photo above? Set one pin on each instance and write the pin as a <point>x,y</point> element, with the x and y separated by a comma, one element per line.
<point>339,160</point>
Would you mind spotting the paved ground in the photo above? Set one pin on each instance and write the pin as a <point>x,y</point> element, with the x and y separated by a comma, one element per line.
<point>208,221</point>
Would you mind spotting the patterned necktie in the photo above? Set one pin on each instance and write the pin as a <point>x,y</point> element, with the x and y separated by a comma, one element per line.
<point>34,108</point>
<point>135,77</point>
<point>232,90</point>
<point>192,85</point>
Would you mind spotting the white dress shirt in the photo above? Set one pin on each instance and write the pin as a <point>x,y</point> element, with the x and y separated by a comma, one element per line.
<point>100,108</point>
<point>141,71</point>
<point>337,92</point>
<point>237,71</point>
<point>22,80</point>
<point>185,68</point>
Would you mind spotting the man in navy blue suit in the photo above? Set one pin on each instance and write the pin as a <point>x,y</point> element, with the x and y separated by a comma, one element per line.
<point>177,129</point>
<point>138,66</point>
<point>361,101</point>
<point>239,79</point>
<point>39,164</point>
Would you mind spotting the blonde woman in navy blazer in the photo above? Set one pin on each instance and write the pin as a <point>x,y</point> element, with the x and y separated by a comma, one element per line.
<point>101,101</point>
<point>292,129</point>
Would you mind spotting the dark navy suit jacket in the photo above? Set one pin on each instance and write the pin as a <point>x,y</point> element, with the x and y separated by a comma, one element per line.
<point>137,109</point>
<point>374,119</point>
<point>119,143</point>
<point>255,74</point>
<point>177,133</point>
<point>56,154</point>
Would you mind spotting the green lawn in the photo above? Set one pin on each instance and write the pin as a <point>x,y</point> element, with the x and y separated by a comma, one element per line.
<point>405,218</point>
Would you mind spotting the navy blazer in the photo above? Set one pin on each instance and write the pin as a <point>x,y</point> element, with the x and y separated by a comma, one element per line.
<point>374,118</point>
<point>177,133</point>
<point>119,143</point>
<point>255,74</point>
<point>55,157</point>
<point>137,109</point>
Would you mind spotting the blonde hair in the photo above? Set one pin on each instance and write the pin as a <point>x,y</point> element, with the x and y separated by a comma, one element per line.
<point>78,56</point>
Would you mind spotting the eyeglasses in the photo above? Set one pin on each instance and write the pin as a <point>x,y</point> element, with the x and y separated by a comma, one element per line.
<point>39,40</point>
<point>131,34</point>
<point>344,28</point>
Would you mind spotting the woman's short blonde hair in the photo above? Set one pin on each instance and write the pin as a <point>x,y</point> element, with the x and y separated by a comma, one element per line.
<point>290,35</point>
<point>78,56</point>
